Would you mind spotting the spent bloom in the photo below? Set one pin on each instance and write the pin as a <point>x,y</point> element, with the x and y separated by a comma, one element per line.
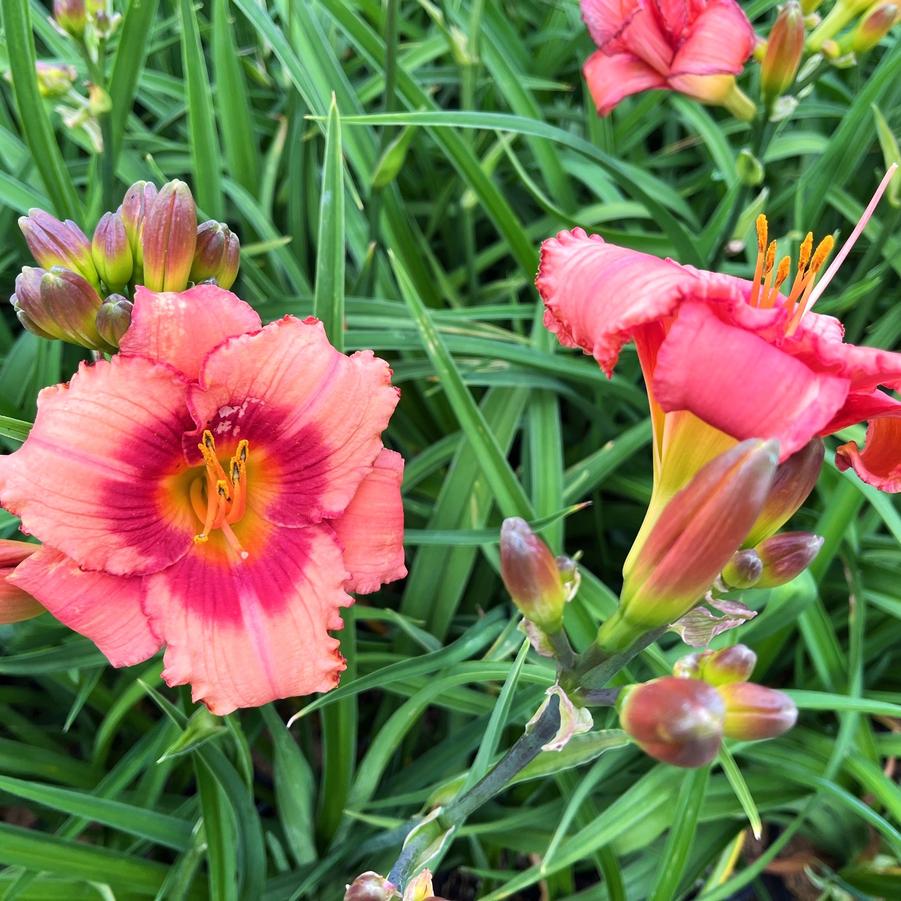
<point>724,358</point>
<point>218,488</point>
<point>694,48</point>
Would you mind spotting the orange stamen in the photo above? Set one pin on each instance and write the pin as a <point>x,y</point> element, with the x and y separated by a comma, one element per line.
<point>781,275</point>
<point>761,225</point>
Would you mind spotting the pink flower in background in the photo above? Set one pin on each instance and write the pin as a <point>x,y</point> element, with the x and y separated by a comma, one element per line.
<point>695,47</point>
<point>725,358</point>
<point>216,488</point>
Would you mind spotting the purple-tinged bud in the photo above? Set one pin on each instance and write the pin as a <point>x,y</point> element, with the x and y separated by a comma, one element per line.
<point>874,26</point>
<point>217,255</point>
<point>732,664</point>
<point>754,712</point>
<point>370,887</point>
<point>783,52</point>
<point>792,484</point>
<point>743,570</point>
<point>531,575</point>
<point>678,721</point>
<point>692,540</point>
<point>55,243</point>
<point>786,556</point>
<point>60,304</point>
<point>113,319</point>
<point>111,252</point>
<point>54,79</point>
<point>134,208</point>
<point>169,238</point>
<point>70,15</point>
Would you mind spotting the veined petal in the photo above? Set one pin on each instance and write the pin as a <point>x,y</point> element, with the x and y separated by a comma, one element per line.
<point>371,529</point>
<point>741,384</point>
<point>610,78</point>
<point>719,41</point>
<point>88,478</point>
<point>182,328</point>
<point>100,606</point>
<point>314,414</point>
<point>879,463</point>
<point>606,20</point>
<point>596,294</point>
<point>246,632</point>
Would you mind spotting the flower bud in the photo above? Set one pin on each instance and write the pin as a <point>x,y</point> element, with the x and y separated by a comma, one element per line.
<point>748,168</point>
<point>54,80</point>
<point>99,100</point>
<point>692,540</point>
<point>113,319</point>
<point>743,570</point>
<point>688,667</point>
<point>732,664</point>
<point>55,243</point>
<point>169,237</point>
<point>370,887</point>
<point>843,12</point>
<point>531,575</point>
<point>874,26</point>
<point>754,712</point>
<point>60,303</point>
<point>783,52</point>
<point>678,721</point>
<point>70,15</point>
<point>134,208</point>
<point>785,556</point>
<point>795,479</point>
<point>111,251</point>
<point>15,604</point>
<point>217,255</point>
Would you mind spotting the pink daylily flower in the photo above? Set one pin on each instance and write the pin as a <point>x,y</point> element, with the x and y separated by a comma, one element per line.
<point>736,357</point>
<point>695,47</point>
<point>217,487</point>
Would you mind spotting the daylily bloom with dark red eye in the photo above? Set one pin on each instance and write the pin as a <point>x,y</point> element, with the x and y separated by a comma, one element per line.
<point>217,488</point>
<point>696,47</point>
<point>726,358</point>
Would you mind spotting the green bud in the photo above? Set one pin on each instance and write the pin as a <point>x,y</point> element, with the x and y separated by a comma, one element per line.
<point>111,251</point>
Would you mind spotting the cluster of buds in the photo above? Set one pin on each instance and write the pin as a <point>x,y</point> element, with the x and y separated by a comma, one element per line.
<point>371,886</point>
<point>539,583</point>
<point>81,291</point>
<point>853,27</point>
<point>682,719</point>
<point>85,20</point>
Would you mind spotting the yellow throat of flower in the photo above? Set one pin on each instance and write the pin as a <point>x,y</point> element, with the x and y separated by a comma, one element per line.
<point>219,497</point>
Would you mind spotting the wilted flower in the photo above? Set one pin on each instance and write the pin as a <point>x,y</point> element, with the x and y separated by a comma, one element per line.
<point>217,255</point>
<point>696,49</point>
<point>754,712</point>
<point>228,491</point>
<point>678,721</point>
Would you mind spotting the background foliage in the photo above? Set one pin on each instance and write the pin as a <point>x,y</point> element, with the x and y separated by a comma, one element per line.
<point>416,225</point>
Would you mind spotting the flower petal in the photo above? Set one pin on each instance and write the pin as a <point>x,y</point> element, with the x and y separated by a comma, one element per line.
<point>314,414</point>
<point>611,78</point>
<point>740,384</point>
<point>879,463</point>
<point>182,328</point>
<point>607,19</point>
<point>863,407</point>
<point>246,632</point>
<point>719,41</point>
<point>596,294</point>
<point>371,529</point>
<point>102,607</point>
<point>87,479</point>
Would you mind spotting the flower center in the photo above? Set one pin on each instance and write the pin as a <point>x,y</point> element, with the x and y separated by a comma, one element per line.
<point>766,289</point>
<point>219,497</point>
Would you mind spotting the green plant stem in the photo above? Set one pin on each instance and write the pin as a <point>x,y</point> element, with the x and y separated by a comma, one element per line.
<point>596,667</point>
<point>524,750</point>
<point>563,650</point>
<point>105,121</point>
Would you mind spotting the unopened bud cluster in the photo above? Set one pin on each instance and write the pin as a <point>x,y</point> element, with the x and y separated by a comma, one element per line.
<point>371,886</point>
<point>682,719</point>
<point>854,27</point>
<point>81,290</point>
